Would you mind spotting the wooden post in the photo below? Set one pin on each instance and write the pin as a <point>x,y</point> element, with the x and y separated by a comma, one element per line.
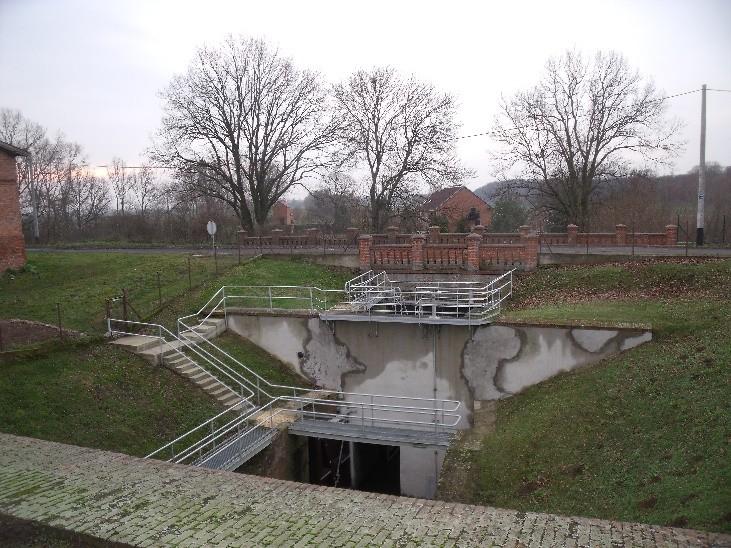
<point>159,291</point>
<point>190,280</point>
<point>60,328</point>
<point>124,305</point>
<point>1,338</point>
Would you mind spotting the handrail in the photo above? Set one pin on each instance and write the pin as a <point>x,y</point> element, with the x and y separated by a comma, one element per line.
<point>164,341</point>
<point>268,416</point>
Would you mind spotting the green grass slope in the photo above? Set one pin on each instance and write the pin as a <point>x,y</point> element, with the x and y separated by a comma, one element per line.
<point>643,436</point>
<point>99,396</point>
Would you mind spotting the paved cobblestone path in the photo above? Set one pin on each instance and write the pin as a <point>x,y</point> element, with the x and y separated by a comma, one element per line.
<point>149,503</point>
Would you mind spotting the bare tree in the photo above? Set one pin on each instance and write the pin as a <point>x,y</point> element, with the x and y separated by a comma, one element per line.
<point>402,132</point>
<point>337,203</point>
<point>144,187</point>
<point>89,199</point>
<point>584,123</point>
<point>243,125</point>
<point>121,183</point>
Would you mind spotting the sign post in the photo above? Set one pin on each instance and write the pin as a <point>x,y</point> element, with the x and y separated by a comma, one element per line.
<point>211,228</point>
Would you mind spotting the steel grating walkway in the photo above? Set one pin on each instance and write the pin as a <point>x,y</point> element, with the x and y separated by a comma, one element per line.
<point>365,433</point>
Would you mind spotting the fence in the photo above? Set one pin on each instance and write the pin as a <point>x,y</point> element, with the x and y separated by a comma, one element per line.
<point>487,251</point>
<point>313,239</point>
<point>448,252</point>
<point>145,296</point>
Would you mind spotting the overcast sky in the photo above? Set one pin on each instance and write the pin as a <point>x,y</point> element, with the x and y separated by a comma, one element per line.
<point>93,69</point>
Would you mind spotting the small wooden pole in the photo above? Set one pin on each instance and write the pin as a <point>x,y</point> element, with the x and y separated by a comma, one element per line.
<point>190,280</point>
<point>1,338</point>
<point>60,328</point>
<point>124,305</point>
<point>159,291</point>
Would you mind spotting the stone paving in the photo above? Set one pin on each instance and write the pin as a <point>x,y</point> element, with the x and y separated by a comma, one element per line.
<point>148,503</point>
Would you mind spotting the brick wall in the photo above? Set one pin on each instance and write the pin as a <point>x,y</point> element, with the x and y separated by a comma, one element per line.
<point>12,245</point>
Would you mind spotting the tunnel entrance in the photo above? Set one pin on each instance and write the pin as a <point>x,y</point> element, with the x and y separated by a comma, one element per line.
<point>362,466</point>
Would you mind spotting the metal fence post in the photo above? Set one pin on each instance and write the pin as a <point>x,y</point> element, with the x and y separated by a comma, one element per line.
<point>270,298</point>
<point>312,307</point>
<point>225,310</point>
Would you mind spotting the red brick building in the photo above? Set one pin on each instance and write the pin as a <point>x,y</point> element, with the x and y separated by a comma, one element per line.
<point>459,207</point>
<point>12,244</point>
<point>282,214</point>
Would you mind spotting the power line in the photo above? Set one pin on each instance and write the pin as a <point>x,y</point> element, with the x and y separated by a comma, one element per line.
<point>523,127</point>
<point>481,134</point>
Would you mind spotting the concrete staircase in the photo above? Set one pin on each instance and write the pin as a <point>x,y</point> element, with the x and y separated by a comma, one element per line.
<point>172,354</point>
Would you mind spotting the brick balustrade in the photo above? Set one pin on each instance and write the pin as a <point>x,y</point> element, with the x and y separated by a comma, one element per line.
<point>122,499</point>
<point>484,251</point>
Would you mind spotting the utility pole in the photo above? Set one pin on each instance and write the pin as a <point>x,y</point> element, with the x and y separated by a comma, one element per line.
<point>700,221</point>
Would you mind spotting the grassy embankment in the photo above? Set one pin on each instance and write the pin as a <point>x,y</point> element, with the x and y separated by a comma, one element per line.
<point>92,394</point>
<point>642,436</point>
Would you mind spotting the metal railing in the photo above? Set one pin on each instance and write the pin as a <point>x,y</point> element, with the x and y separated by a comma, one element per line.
<point>214,437</point>
<point>471,301</point>
<point>166,343</point>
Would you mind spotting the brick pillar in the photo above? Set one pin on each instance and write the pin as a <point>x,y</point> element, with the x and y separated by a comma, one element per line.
<point>364,251</point>
<point>530,251</point>
<point>473,252</point>
<point>433,234</point>
<point>479,229</point>
<point>417,251</point>
<point>391,232</point>
<point>572,231</point>
<point>620,234</point>
<point>671,234</point>
<point>276,235</point>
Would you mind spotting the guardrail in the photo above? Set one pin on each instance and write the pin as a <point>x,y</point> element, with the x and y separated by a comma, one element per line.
<point>166,341</point>
<point>471,301</point>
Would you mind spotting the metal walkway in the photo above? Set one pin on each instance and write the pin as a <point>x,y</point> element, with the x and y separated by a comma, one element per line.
<point>336,430</point>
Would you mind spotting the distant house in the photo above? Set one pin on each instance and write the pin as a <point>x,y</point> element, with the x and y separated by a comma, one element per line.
<point>12,244</point>
<point>282,214</point>
<point>457,208</point>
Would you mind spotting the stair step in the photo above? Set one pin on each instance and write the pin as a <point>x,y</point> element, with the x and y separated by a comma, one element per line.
<point>205,382</point>
<point>217,390</point>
